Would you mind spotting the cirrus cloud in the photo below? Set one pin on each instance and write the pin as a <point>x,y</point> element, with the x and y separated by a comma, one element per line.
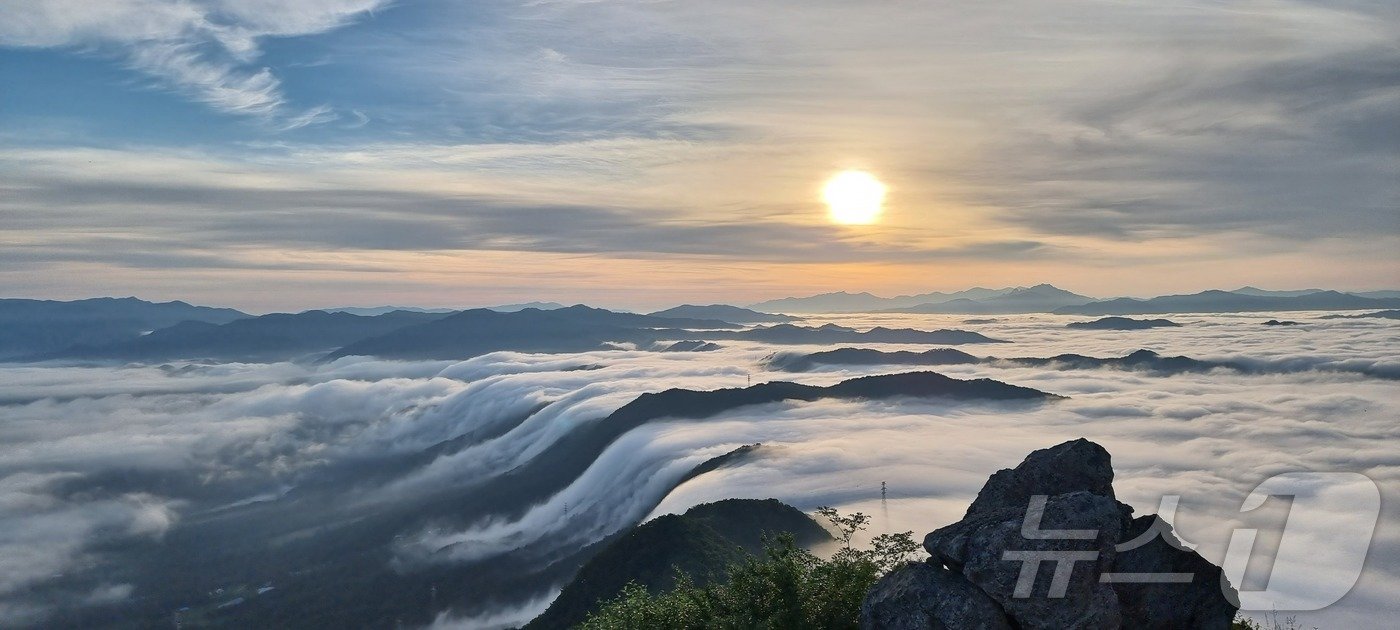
<point>205,49</point>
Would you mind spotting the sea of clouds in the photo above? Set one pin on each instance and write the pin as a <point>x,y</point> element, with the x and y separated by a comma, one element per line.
<point>97,456</point>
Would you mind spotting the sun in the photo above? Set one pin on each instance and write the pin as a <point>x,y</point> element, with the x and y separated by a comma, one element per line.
<point>854,197</point>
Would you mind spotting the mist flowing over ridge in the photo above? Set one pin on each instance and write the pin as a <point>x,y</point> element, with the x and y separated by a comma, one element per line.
<point>455,315</point>
<point>456,473</point>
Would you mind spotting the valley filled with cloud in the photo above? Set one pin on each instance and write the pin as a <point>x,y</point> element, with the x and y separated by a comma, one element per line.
<point>471,488</point>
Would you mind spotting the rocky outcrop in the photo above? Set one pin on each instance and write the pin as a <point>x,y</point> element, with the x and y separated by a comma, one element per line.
<point>1070,467</point>
<point>923,596</point>
<point>1165,606</point>
<point>1046,545</point>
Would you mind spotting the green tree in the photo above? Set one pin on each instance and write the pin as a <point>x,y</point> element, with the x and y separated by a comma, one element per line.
<point>785,588</point>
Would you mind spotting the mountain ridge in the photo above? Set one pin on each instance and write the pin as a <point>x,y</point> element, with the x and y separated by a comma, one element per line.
<point>1037,299</point>
<point>1012,300</point>
<point>475,332</point>
<point>723,312</point>
<point>275,336</point>
<point>29,326</point>
<point>1218,301</point>
<point>700,543</point>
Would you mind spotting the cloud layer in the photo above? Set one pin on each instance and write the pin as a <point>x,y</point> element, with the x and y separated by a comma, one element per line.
<point>99,462</point>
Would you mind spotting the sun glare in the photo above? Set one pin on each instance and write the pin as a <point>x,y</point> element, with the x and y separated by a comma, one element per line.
<point>854,197</point>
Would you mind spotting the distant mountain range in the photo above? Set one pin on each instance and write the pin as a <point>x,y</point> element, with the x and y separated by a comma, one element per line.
<point>371,311</point>
<point>277,336</point>
<point>1230,302</point>
<point>581,328</point>
<point>831,333</point>
<point>1391,314</point>
<point>479,331</point>
<point>1045,298</point>
<point>380,310</point>
<point>1041,298</point>
<point>137,330</point>
<point>40,326</point>
<point>1141,360</point>
<point>511,308</point>
<point>724,312</point>
<point>1301,292</point>
<point>843,302</point>
<point>457,335</point>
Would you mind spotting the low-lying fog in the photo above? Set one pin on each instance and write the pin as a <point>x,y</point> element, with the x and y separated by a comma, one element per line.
<point>98,460</point>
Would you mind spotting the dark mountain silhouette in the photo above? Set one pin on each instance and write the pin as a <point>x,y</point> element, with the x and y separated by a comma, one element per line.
<point>1276,322</point>
<point>1227,302</point>
<point>839,302</point>
<point>1045,298</point>
<point>380,310</point>
<point>688,403</point>
<point>581,328</point>
<point>277,336</point>
<point>795,362</point>
<point>371,311</point>
<point>1037,299</point>
<point>1393,314</point>
<point>1255,291</point>
<point>701,543</point>
<point>691,346</point>
<point>479,331</point>
<point>975,293</point>
<point>831,333</point>
<point>1298,292</point>
<point>736,457</point>
<point>511,308</point>
<point>1123,323</point>
<point>1141,360</point>
<point>29,327</point>
<point>724,313</point>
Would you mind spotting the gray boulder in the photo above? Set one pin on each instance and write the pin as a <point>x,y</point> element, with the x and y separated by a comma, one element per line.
<point>921,596</point>
<point>1049,579</point>
<point>1197,602</point>
<point>1069,467</point>
<point>1046,545</point>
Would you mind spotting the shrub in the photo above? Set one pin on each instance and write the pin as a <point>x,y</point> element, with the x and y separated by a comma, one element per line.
<point>786,587</point>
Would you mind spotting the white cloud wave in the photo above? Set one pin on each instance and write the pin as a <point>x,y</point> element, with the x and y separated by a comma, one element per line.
<point>252,432</point>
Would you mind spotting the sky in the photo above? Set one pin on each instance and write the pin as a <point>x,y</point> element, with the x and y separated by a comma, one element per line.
<point>277,155</point>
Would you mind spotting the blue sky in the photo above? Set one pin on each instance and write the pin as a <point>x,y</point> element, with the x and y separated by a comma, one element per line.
<point>294,154</point>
